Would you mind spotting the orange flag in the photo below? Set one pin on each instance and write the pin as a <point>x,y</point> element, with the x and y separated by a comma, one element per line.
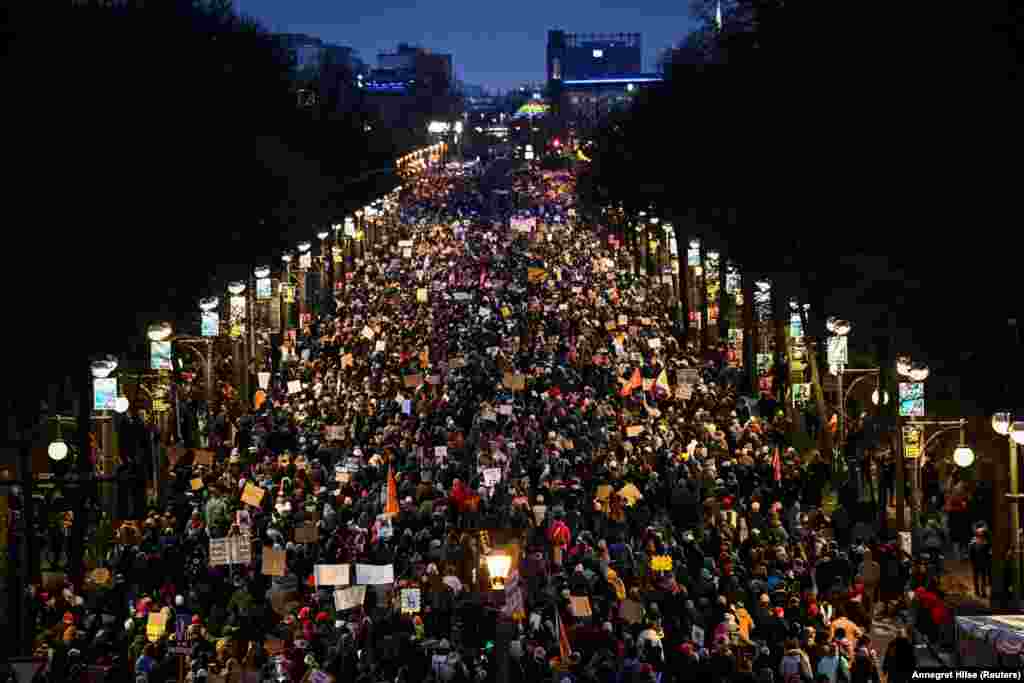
<point>635,382</point>
<point>392,505</point>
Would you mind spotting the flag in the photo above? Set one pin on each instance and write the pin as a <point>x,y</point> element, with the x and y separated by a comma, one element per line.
<point>564,649</point>
<point>662,382</point>
<point>391,508</point>
<point>777,465</point>
<point>635,382</point>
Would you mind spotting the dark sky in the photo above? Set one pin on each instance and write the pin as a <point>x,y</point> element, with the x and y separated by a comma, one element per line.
<point>496,45</point>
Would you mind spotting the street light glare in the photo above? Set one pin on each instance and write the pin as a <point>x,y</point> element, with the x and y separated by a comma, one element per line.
<point>919,374</point>
<point>963,456</point>
<point>160,331</point>
<point>1001,423</point>
<point>101,369</point>
<point>262,271</point>
<point>121,404</point>
<point>304,247</point>
<point>236,287</point>
<point>58,450</point>
<point>322,235</point>
<point>209,303</point>
<point>1017,433</point>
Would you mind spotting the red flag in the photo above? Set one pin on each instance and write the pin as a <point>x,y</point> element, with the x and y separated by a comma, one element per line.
<point>635,382</point>
<point>392,505</point>
<point>564,649</point>
<point>777,464</point>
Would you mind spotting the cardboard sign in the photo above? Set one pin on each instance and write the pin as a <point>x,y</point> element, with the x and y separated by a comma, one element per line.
<point>631,611</point>
<point>413,381</point>
<point>440,451</point>
<point>334,432</point>
<point>381,346</point>
<point>331,574</point>
<point>654,343</point>
<point>514,382</point>
<point>410,600</point>
<point>421,295</point>
<point>307,533</point>
<point>275,562</point>
<point>204,458</point>
<point>253,495</point>
<point>155,626</point>
<point>375,575</point>
<point>635,430</point>
<point>218,552</point>
<point>196,483</point>
<point>347,361</point>
<point>294,387</point>
<point>580,606</point>
<point>368,332</point>
<point>349,598</point>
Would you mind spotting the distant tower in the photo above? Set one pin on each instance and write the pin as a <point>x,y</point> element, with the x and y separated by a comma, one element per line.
<point>556,55</point>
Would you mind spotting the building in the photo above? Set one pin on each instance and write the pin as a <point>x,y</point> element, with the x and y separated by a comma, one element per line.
<point>411,87</point>
<point>311,53</point>
<point>590,75</point>
<point>324,73</point>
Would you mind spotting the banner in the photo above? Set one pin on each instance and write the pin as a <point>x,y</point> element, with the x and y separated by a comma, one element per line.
<point>160,355</point>
<point>913,441</point>
<point>331,574</point>
<point>104,393</point>
<point>210,324</point>
<point>911,399</point>
<point>264,290</point>
<point>374,575</point>
<point>237,316</point>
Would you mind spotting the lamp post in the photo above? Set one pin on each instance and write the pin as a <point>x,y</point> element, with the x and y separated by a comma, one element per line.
<point>837,365</point>
<point>917,373</point>
<point>286,278</point>
<point>305,258</point>
<point>260,309</point>
<point>1004,425</point>
<point>238,311</point>
<point>326,272</point>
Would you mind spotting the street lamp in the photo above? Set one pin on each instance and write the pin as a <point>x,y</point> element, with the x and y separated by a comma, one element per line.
<point>236,287</point>
<point>261,272</point>
<point>160,331</point>
<point>884,397</point>
<point>1004,425</point>
<point>121,405</point>
<point>498,565</point>
<point>209,304</point>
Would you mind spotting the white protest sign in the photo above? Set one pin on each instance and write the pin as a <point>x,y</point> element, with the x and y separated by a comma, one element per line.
<point>294,386</point>
<point>492,475</point>
<point>375,575</point>
<point>349,598</point>
<point>331,574</point>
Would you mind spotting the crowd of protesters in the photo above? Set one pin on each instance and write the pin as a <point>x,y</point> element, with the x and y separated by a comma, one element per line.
<point>501,384</point>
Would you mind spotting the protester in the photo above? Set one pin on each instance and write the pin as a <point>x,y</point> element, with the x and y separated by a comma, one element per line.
<point>505,383</point>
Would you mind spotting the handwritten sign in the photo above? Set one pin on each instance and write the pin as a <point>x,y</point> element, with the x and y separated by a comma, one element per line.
<point>274,562</point>
<point>347,360</point>
<point>349,598</point>
<point>580,606</point>
<point>421,295</point>
<point>374,575</point>
<point>331,574</point>
<point>294,387</point>
<point>381,346</point>
<point>218,552</point>
<point>307,533</point>
<point>253,495</point>
<point>410,600</point>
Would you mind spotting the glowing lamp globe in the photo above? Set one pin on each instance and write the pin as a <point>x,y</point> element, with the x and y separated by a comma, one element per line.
<point>841,327</point>
<point>58,450</point>
<point>236,287</point>
<point>322,235</point>
<point>287,258</point>
<point>1001,423</point>
<point>498,565</point>
<point>261,272</point>
<point>903,365</point>
<point>1017,433</point>
<point>884,397</point>
<point>963,456</point>
<point>101,369</point>
<point>209,303</point>
<point>121,404</point>
<point>304,247</point>
<point>919,373</point>
<point>161,331</point>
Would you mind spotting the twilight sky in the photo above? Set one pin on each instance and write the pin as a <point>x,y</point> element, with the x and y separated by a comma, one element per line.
<point>496,45</point>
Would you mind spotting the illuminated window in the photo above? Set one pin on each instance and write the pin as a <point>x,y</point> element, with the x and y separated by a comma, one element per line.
<point>598,54</point>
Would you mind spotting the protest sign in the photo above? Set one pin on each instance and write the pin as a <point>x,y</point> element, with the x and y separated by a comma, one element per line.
<point>349,598</point>
<point>374,575</point>
<point>331,574</point>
